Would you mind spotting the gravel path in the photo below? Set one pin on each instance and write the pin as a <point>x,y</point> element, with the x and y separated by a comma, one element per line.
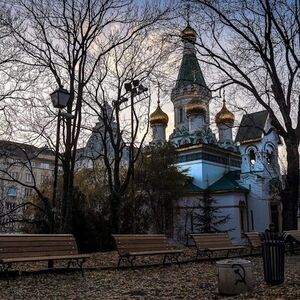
<point>190,281</point>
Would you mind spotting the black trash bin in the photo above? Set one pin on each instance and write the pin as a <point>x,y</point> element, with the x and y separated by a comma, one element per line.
<point>273,258</point>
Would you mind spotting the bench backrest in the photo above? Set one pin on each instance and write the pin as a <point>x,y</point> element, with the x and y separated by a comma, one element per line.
<point>254,239</point>
<point>36,245</point>
<point>294,233</point>
<point>141,242</point>
<point>211,240</point>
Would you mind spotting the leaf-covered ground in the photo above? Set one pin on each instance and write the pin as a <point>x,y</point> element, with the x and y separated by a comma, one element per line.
<point>192,280</point>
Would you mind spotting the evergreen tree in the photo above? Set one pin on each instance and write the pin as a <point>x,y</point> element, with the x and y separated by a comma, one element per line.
<point>159,182</point>
<point>207,219</point>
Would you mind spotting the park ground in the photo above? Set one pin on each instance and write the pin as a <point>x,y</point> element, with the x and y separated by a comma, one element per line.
<point>192,280</point>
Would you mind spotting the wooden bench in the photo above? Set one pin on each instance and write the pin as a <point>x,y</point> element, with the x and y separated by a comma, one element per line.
<point>20,248</point>
<point>208,243</point>
<point>254,240</point>
<point>130,246</point>
<point>292,237</point>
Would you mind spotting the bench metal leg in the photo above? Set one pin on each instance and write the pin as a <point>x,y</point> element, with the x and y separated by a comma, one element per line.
<point>177,258</point>
<point>174,256</point>
<point>131,260</point>
<point>126,259</point>
<point>80,263</point>
<point>50,264</point>
<point>77,262</point>
<point>119,262</point>
<point>5,268</point>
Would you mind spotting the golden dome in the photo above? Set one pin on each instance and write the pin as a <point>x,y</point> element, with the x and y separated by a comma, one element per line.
<point>189,33</point>
<point>159,117</point>
<point>224,116</point>
<point>195,106</point>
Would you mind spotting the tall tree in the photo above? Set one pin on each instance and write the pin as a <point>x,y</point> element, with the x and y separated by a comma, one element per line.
<point>254,44</point>
<point>64,42</point>
<point>160,183</point>
<point>123,114</point>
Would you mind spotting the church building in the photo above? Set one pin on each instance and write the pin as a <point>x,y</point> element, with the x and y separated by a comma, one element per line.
<point>241,175</point>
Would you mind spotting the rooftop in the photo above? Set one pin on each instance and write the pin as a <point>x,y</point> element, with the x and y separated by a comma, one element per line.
<point>252,127</point>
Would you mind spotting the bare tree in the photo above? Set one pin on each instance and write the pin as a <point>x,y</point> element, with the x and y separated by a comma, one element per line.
<point>255,45</point>
<point>123,115</point>
<point>64,42</point>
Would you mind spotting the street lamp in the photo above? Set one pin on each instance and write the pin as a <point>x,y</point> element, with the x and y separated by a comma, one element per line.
<point>60,98</point>
<point>135,88</point>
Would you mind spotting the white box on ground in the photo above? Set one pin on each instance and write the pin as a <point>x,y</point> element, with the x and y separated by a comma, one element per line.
<point>234,276</point>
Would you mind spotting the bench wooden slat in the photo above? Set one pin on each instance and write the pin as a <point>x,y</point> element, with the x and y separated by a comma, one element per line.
<point>15,248</point>
<point>213,242</point>
<point>37,248</point>
<point>33,239</point>
<point>253,239</point>
<point>294,233</point>
<point>154,252</point>
<point>131,245</point>
<point>36,244</point>
<point>42,258</point>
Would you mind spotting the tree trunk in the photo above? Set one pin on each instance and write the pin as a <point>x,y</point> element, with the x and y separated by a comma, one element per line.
<point>115,213</point>
<point>290,195</point>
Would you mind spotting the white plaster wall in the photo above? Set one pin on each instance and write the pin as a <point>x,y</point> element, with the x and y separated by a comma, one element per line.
<point>196,122</point>
<point>158,133</point>
<point>228,205</point>
<point>225,133</point>
<point>258,201</point>
<point>205,173</point>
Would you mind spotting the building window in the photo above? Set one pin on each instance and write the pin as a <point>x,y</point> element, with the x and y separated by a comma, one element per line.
<point>10,206</point>
<point>28,192</point>
<point>45,166</point>
<point>180,115</point>
<point>44,178</point>
<point>14,175</point>
<point>269,153</point>
<point>192,223</point>
<point>28,177</point>
<point>252,157</point>
<point>12,191</point>
<point>243,217</point>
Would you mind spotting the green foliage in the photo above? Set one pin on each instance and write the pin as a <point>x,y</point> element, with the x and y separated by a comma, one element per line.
<point>207,219</point>
<point>160,183</point>
<point>90,226</point>
<point>91,216</point>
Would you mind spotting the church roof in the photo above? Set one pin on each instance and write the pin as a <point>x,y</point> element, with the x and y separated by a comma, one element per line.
<point>185,76</point>
<point>228,183</point>
<point>192,188</point>
<point>252,127</point>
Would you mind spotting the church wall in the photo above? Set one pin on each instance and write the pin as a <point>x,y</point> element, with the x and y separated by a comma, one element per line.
<point>258,201</point>
<point>229,205</point>
<point>184,220</point>
<point>257,175</point>
<point>205,173</point>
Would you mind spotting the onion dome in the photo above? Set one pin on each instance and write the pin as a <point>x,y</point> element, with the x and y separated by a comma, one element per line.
<point>159,117</point>
<point>195,106</point>
<point>189,34</point>
<point>224,116</point>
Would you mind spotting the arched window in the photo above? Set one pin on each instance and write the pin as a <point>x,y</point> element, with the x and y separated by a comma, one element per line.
<point>180,115</point>
<point>269,153</point>
<point>252,157</point>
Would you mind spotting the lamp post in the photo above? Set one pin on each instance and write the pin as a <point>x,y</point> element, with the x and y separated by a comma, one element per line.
<point>134,88</point>
<point>60,98</point>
